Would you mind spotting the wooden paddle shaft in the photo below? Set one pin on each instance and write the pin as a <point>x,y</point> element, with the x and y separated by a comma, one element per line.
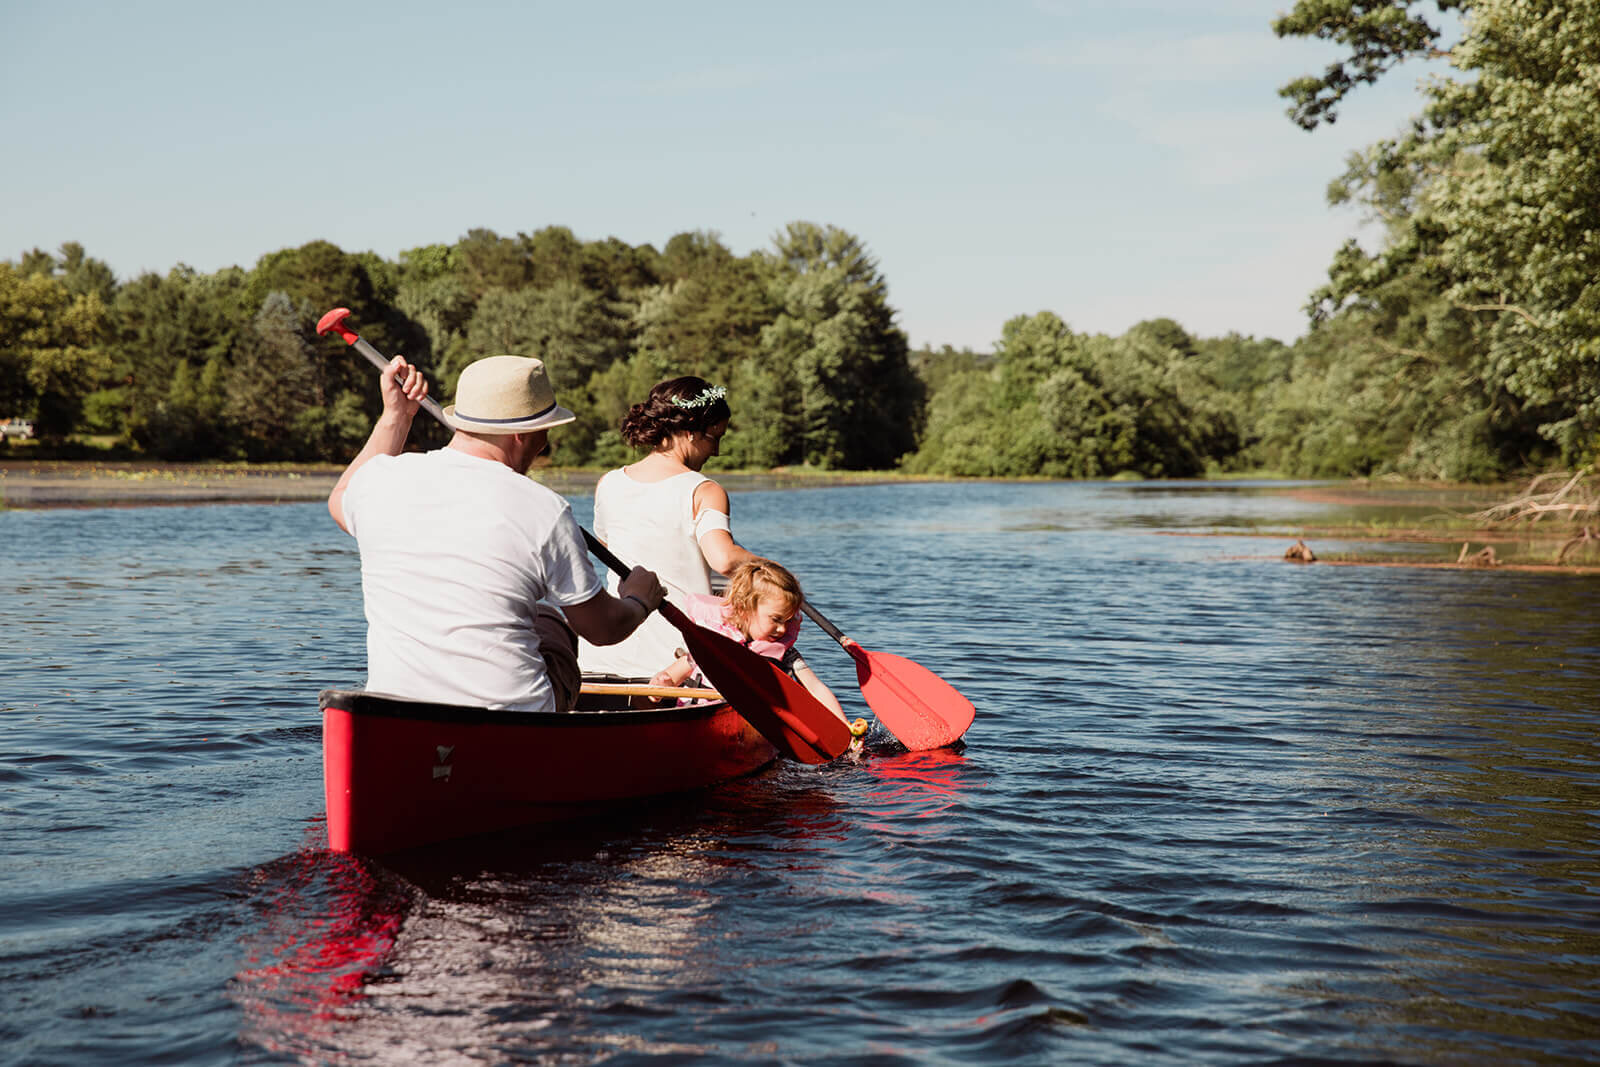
<point>687,692</point>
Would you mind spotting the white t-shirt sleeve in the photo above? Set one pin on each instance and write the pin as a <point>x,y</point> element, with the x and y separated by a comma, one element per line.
<point>360,481</point>
<point>569,576</point>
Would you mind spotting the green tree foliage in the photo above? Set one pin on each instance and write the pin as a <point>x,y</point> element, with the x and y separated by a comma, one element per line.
<point>432,293</point>
<point>78,271</point>
<point>183,322</point>
<point>1054,415</point>
<point>50,357</point>
<point>803,337</point>
<point>619,270</point>
<point>84,275</point>
<point>1060,404</point>
<point>551,255</point>
<point>571,328</point>
<point>1379,35</point>
<point>1404,370</point>
<point>320,276</point>
<point>835,339</point>
<point>274,392</point>
<point>1164,335</point>
<point>81,276</point>
<point>762,424</point>
<point>708,317</point>
<point>566,325</point>
<point>105,411</point>
<point>964,428</point>
<point>1491,200</point>
<point>1395,383</point>
<point>1249,373</point>
<point>596,437</point>
<point>935,367</point>
<point>1244,368</point>
<point>485,261</point>
<point>187,422</point>
<point>36,261</point>
<point>1182,421</point>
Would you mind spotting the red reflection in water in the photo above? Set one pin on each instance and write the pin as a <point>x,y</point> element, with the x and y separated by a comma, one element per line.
<point>920,785</point>
<point>330,923</point>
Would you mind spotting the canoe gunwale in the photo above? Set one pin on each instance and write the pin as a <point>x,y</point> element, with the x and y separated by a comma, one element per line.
<point>363,702</point>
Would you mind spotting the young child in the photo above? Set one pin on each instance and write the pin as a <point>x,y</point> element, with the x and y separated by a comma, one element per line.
<point>761,610</point>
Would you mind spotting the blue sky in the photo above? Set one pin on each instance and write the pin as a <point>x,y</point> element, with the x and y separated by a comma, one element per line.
<point>1108,162</point>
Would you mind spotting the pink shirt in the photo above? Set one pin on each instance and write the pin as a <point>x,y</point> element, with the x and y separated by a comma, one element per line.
<point>708,612</point>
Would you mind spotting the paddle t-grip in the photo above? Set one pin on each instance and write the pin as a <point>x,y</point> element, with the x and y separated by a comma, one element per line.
<point>334,321</point>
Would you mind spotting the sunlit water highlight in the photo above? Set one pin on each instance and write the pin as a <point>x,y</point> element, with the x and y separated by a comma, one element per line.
<point>1215,808</point>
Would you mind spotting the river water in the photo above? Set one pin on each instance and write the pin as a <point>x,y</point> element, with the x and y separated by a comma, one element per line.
<point>1216,808</point>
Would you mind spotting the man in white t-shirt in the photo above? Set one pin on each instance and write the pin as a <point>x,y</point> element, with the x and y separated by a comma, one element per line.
<point>459,547</point>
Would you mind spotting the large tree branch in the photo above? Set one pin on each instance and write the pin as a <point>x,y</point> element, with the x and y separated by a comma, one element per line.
<point>1380,35</point>
<point>1503,306</point>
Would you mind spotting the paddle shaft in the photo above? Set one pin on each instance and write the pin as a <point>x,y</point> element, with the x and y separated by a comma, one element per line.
<point>334,322</point>
<point>633,689</point>
<point>827,627</point>
<point>428,403</point>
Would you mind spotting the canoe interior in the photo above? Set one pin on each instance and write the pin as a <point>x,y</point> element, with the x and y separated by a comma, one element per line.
<point>400,774</point>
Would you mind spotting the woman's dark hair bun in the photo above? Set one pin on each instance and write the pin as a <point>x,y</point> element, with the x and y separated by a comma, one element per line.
<point>674,406</point>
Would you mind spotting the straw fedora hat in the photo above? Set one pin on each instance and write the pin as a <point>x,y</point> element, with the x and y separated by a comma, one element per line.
<point>503,395</point>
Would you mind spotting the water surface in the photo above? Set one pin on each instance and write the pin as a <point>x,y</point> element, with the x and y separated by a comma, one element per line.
<point>1215,808</point>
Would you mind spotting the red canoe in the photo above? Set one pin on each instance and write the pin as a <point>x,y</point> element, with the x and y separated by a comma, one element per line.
<point>400,773</point>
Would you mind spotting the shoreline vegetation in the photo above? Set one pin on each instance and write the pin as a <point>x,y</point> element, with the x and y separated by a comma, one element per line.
<point>1550,525</point>
<point>34,484</point>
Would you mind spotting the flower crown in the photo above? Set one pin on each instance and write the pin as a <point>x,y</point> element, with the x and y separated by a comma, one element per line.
<point>709,395</point>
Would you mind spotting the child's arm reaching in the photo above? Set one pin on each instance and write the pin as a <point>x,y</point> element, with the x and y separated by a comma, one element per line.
<point>818,688</point>
<point>675,674</point>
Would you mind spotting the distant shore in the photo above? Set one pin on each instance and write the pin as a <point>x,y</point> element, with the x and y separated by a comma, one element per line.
<point>70,484</point>
<point>1406,510</point>
<point>67,484</point>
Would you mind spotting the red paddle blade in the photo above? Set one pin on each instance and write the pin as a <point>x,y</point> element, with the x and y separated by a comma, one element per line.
<point>792,719</point>
<point>920,708</point>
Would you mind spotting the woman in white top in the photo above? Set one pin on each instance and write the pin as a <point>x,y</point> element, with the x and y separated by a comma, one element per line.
<point>663,514</point>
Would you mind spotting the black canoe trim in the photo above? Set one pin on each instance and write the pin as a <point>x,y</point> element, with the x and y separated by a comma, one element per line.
<point>361,702</point>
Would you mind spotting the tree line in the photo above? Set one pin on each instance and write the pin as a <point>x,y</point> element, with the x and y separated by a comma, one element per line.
<point>1467,347</point>
<point>227,365</point>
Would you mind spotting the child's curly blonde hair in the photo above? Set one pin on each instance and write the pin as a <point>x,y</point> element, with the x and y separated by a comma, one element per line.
<point>756,578</point>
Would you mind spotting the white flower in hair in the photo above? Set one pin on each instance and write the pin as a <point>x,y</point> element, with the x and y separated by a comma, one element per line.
<point>710,394</point>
